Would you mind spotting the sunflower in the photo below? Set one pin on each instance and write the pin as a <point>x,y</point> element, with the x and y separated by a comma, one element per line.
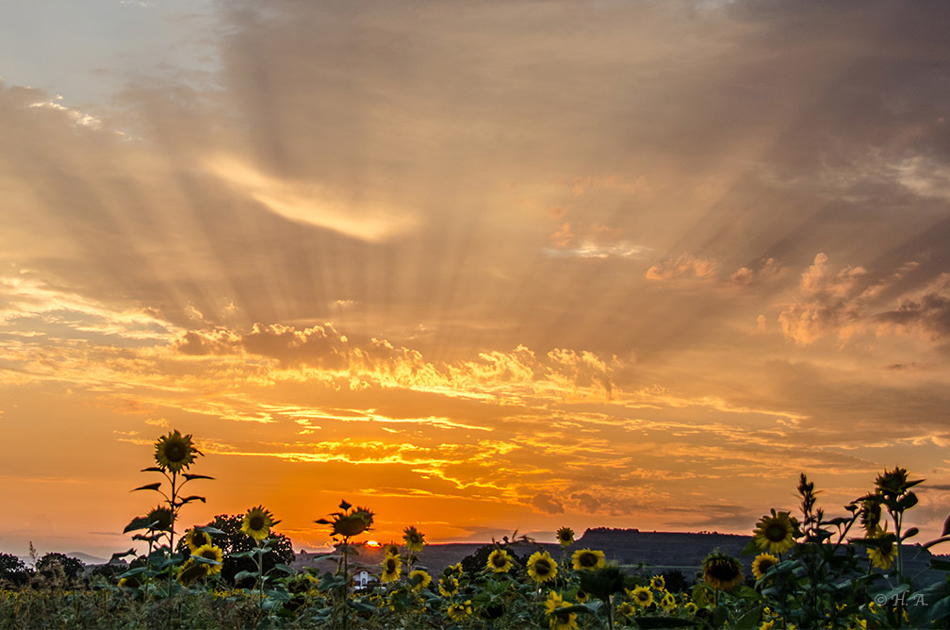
<point>454,570</point>
<point>160,519</point>
<point>391,549</point>
<point>448,586</point>
<point>196,538</point>
<point>175,452</point>
<point>190,572</point>
<point>348,524</point>
<point>559,620</point>
<point>668,603</point>
<point>419,579</point>
<point>257,523</point>
<point>499,562</point>
<point>627,609</point>
<point>762,563</point>
<point>892,482</point>
<point>415,540</point>
<point>642,596</point>
<point>392,567</point>
<point>213,553</point>
<point>587,560</point>
<point>658,582</point>
<point>542,567</point>
<point>581,597</point>
<point>776,533</point>
<point>722,571</point>
<point>870,515</point>
<point>690,608</point>
<point>459,611</point>
<point>883,556</point>
<point>565,536</point>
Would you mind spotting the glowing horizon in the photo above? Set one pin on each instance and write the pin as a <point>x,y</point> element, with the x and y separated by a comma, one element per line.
<point>479,269</point>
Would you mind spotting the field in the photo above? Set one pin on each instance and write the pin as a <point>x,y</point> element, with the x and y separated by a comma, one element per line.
<point>856,570</point>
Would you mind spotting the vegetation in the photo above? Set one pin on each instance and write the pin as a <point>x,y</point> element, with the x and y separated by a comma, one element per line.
<point>841,572</point>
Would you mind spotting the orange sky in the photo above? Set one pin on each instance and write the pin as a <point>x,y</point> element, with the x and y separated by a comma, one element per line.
<point>477,267</point>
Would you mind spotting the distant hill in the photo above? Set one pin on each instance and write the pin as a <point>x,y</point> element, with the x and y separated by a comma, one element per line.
<point>658,551</point>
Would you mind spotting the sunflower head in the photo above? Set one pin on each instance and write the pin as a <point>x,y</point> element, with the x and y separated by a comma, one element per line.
<point>419,579</point>
<point>884,551</point>
<point>448,586</point>
<point>565,536</point>
<point>870,511</point>
<point>160,519</point>
<point>175,452</point>
<point>722,571</point>
<point>459,611</point>
<point>392,567</point>
<point>350,522</point>
<point>776,533</point>
<point>257,523</point>
<point>415,540</point>
<point>542,567</point>
<point>211,553</point>
<point>641,596</point>
<point>391,549</point>
<point>196,538</point>
<point>558,619</point>
<point>499,561</point>
<point>762,563</point>
<point>190,572</point>
<point>892,482</point>
<point>588,560</point>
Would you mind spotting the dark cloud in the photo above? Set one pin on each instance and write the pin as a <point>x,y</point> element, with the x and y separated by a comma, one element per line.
<point>547,503</point>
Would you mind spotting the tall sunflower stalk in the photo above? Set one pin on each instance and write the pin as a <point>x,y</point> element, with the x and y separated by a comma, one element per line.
<point>257,524</point>
<point>345,525</point>
<point>174,453</point>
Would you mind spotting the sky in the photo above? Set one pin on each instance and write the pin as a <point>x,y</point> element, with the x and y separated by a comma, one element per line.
<point>478,267</point>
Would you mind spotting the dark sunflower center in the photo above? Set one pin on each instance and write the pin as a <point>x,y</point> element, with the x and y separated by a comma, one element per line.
<point>643,596</point>
<point>723,571</point>
<point>208,554</point>
<point>563,617</point>
<point>390,565</point>
<point>776,532</point>
<point>256,523</point>
<point>175,451</point>
<point>588,560</point>
<point>498,561</point>
<point>765,565</point>
<point>541,567</point>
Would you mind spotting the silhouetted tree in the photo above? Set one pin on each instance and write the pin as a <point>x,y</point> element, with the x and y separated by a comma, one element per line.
<point>14,570</point>
<point>57,566</point>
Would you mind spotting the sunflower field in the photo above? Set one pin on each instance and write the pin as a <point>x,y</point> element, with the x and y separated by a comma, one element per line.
<point>810,572</point>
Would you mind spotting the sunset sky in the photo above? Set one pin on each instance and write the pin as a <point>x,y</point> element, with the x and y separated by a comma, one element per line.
<point>477,266</point>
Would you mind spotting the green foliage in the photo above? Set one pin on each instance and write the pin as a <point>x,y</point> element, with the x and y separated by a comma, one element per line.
<point>13,570</point>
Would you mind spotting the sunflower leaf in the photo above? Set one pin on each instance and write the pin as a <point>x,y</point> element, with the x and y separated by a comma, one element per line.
<point>119,555</point>
<point>243,575</point>
<point>203,560</point>
<point>210,530</point>
<point>283,567</point>
<point>193,497</point>
<point>139,522</point>
<point>152,469</point>
<point>149,486</point>
<point>190,476</point>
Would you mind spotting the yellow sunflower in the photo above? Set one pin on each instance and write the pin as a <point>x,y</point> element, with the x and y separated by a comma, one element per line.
<point>762,563</point>
<point>448,586</point>
<point>459,611</point>
<point>588,560</point>
<point>581,597</point>
<point>257,523</point>
<point>565,536</point>
<point>641,596</point>
<point>391,549</point>
<point>722,571</point>
<point>668,603</point>
<point>542,567</point>
<point>190,572</point>
<point>213,553</point>
<point>776,533</point>
<point>883,556</point>
<point>419,579</point>
<point>160,519</point>
<point>658,582</point>
<point>392,567</point>
<point>627,609</point>
<point>415,540</point>
<point>175,452</point>
<point>559,620</point>
<point>196,538</point>
<point>690,608</point>
<point>499,561</point>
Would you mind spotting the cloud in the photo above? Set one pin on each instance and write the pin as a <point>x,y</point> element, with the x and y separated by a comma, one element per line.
<point>547,503</point>
<point>684,267</point>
